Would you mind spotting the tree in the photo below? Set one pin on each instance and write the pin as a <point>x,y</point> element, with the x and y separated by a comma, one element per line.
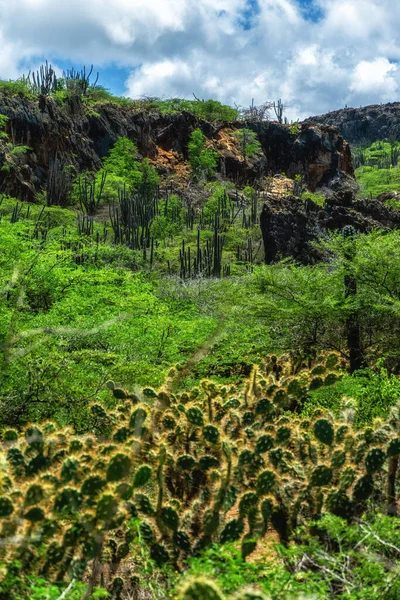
<point>350,303</point>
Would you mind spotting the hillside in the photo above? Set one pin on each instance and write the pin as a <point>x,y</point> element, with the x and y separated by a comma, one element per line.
<point>45,145</point>
<point>364,125</point>
<point>199,354</point>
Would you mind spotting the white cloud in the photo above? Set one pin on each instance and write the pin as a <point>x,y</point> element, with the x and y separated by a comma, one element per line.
<point>375,76</point>
<point>180,47</point>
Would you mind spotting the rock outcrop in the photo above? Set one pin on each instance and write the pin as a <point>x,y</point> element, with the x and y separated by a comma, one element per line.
<point>365,125</point>
<point>290,225</point>
<point>81,137</point>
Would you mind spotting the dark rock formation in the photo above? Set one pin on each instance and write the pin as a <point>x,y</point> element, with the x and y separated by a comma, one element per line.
<point>317,151</point>
<point>365,125</point>
<point>290,225</point>
<point>82,137</point>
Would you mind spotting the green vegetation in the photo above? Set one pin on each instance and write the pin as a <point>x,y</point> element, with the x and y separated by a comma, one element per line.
<point>81,84</point>
<point>377,169</point>
<point>248,142</point>
<point>318,199</point>
<point>202,159</point>
<point>121,169</point>
<point>3,121</point>
<point>164,469</point>
<point>209,110</point>
<point>177,419</point>
<point>153,425</point>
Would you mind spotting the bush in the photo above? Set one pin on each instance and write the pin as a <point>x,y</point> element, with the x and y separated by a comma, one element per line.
<point>19,87</point>
<point>249,143</point>
<point>202,159</point>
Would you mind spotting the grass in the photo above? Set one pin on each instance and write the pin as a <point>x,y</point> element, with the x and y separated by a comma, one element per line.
<point>76,313</point>
<point>374,181</point>
<point>377,169</point>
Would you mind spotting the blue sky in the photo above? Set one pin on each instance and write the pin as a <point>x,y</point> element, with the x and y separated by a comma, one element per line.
<point>317,55</point>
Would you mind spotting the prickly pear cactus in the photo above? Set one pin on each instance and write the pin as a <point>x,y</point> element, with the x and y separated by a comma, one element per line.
<point>200,589</point>
<point>324,431</point>
<point>375,460</point>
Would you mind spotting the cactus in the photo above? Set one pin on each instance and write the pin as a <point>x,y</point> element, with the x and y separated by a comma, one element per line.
<point>34,515</point>
<point>264,443</point>
<point>341,433</point>
<point>137,420</point>
<point>34,438</point>
<point>117,587</point>
<point>248,501</point>
<point>283,435</point>
<point>181,540</point>
<point>321,476</point>
<point>34,494</point>
<point>10,436</point>
<point>347,478</point>
<point>338,459</point>
<point>393,448</point>
<point>6,507</point>
<point>363,488</point>
<point>168,422</point>
<point>124,491</point>
<point>330,379</point>
<point>211,434</point>
<point>169,517</point>
<point>121,435</point>
<point>208,462</point>
<point>265,482</point>
<point>185,462</point>
<point>92,486</point>
<point>69,469</point>
<point>195,416</point>
<point>146,533</point>
<point>142,476</point>
<point>159,554</point>
<point>144,504</point>
<point>119,467</point>
<point>68,501</point>
<point>265,408</point>
<point>324,431</point>
<point>374,460</point>
<point>232,531</point>
<point>106,508</point>
<point>200,589</point>
<point>340,504</point>
<point>316,383</point>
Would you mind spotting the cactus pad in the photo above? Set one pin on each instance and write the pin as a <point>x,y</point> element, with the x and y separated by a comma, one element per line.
<point>374,460</point>
<point>324,431</point>
<point>321,476</point>
<point>211,434</point>
<point>266,482</point>
<point>195,416</point>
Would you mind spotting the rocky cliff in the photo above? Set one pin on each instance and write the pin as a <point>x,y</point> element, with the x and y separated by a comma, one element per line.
<point>365,125</point>
<point>81,137</point>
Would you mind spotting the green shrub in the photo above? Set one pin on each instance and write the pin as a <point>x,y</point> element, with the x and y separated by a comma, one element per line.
<point>202,159</point>
<point>19,87</point>
<point>248,141</point>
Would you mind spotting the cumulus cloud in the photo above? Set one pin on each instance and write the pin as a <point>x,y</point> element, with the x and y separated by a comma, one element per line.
<point>376,76</point>
<point>337,52</point>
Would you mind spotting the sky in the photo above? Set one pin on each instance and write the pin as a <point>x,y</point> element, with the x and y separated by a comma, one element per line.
<point>315,55</point>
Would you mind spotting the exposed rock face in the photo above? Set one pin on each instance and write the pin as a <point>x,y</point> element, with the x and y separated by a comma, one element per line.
<point>82,138</point>
<point>365,125</point>
<point>290,225</point>
<point>318,152</point>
